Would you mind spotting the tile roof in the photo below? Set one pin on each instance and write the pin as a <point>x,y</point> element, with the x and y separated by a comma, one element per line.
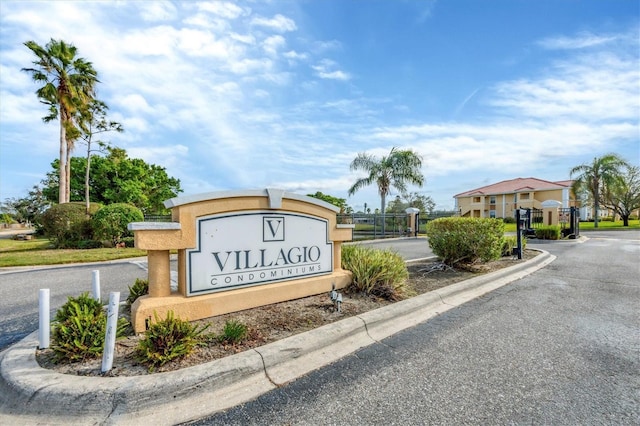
<point>516,185</point>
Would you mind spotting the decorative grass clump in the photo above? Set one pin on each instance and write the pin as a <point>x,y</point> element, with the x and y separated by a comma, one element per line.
<point>169,339</point>
<point>140,288</point>
<point>381,273</point>
<point>233,332</point>
<point>80,329</point>
<point>466,240</point>
<point>509,243</point>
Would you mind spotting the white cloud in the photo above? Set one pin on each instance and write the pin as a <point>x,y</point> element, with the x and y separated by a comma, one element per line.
<point>223,9</point>
<point>154,11</point>
<point>326,69</point>
<point>272,44</point>
<point>581,41</point>
<point>278,23</point>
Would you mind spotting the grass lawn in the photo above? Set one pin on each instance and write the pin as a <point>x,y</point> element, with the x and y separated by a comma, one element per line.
<point>39,252</point>
<point>617,226</point>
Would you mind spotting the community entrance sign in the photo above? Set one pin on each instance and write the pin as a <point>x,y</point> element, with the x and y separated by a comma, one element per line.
<point>238,250</point>
<point>251,248</point>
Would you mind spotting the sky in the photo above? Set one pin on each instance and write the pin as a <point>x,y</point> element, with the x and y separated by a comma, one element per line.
<point>284,94</point>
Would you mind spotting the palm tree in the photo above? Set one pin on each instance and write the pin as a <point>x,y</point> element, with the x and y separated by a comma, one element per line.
<point>594,177</point>
<point>69,84</point>
<point>395,170</point>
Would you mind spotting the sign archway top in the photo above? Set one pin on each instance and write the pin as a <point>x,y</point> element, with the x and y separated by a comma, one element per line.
<point>275,197</point>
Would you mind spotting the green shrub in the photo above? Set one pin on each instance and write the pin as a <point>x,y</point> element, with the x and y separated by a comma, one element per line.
<point>168,339</point>
<point>509,219</point>
<point>110,222</point>
<point>511,242</point>
<point>129,242</point>
<point>382,273</point>
<point>80,329</point>
<point>466,240</point>
<point>66,225</point>
<point>140,288</point>
<point>234,332</point>
<point>88,244</point>
<point>548,232</point>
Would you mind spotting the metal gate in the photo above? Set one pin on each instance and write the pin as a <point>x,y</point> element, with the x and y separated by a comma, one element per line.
<point>374,226</point>
<point>569,219</point>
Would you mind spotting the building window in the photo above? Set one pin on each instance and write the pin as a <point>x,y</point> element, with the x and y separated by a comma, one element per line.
<point>476,199</point>
<point>492,214</point>
<point>524,196</point>
<point>492,199</point>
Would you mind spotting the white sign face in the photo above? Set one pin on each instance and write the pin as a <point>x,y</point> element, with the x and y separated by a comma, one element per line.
<point>250,248</point>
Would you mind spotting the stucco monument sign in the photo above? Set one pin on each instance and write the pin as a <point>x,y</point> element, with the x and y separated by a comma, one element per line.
<point>238,250</point>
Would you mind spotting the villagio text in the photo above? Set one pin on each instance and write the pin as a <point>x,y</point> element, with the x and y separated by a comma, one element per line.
<point>257,248</point>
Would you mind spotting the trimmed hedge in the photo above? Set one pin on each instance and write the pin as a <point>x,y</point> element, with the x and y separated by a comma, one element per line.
<point>466,240</point>
<point>549,232</point>
<point>67,225</point>
<point>110,222</point>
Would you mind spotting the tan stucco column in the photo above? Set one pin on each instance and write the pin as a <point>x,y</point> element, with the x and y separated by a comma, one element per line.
<point>550,209</point>
<point>412,214</point>
<point>159,273</point>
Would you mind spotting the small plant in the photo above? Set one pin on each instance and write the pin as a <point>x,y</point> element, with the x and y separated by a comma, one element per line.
<point>168,339</point>
<point>233,332</point>
<point>140,288</point>
<point>381,273</point>
<point>80,329</point>
<point>511,242</point>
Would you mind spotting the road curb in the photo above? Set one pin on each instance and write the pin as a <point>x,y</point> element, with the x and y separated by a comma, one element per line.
<point>30,394</point>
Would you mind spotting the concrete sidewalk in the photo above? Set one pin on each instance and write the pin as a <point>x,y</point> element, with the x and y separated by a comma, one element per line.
<point>30,394</point>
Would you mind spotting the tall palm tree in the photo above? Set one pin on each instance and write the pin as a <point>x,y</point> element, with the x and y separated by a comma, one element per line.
<point>69,84</point>
<point>594,177</point>
<point>399,168</point>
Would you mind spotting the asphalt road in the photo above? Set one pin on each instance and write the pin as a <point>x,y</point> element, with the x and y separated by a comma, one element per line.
<point>19,292</point>
<point>561,346</point>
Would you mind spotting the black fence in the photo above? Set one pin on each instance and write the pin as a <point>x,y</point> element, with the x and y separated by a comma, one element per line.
<point>157,218</point>
<point>389,225</point>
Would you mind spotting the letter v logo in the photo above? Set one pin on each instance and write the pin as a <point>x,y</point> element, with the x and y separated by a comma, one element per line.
<point>273,228</point>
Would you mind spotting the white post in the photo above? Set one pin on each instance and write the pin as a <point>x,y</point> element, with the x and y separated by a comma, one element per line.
<point>110,335</point>
<point>95,284</point>
<point>44,329</point>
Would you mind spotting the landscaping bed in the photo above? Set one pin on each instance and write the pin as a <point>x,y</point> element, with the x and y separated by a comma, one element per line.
<point>277,321</point>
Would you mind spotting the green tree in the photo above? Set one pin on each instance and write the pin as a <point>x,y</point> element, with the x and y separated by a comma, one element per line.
<point>423,203</point>
<point>69,83</point>
<point>595,177</point>
<point>110,222</point>
<point>396,170</point>
<point>338,202</point>
<point>116,178</point>
<point>93,121</point>
<point>623,194</point>
<point>28,209</point>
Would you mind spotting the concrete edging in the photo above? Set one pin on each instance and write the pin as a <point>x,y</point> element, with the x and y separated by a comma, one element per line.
<point>30,394</point>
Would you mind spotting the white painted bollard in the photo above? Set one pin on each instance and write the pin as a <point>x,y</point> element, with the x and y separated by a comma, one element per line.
<point>95,284</point>
<point>44,327</point>
<point>110,335</point>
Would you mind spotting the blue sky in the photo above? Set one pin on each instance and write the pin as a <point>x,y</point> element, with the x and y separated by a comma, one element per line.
<point>255,94</point>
